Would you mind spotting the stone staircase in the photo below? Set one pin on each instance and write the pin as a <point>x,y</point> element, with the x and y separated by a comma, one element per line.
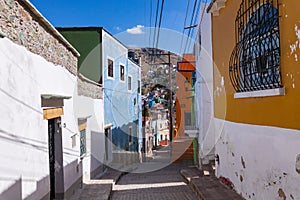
<point>183,151</point>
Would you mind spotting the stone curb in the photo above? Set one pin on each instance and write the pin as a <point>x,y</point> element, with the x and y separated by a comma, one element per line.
<point>100,187</point>
<point>117,176</point>
<point>188,175</point>
<point>208,187</point>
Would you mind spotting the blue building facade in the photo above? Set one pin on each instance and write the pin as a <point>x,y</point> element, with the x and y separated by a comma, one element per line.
<point>105,60</point>
<point>122,94</point>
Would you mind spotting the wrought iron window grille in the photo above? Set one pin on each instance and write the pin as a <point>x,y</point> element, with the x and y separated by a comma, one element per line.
<point>255,60</point>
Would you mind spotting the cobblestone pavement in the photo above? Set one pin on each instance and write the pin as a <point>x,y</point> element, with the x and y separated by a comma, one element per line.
<point>162,184</point>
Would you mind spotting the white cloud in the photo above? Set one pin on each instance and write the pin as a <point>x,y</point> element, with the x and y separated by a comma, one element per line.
<point>136,30</point>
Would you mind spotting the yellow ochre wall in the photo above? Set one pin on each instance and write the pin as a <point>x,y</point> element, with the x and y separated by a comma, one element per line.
<point>279,111</point>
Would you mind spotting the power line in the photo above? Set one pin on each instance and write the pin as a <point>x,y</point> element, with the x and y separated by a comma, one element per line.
<point>194,24</point>
<point>203,11</point>
<point>200,21</point>
<point>191,23</point>
<point>186,14</point>
<point>156,17</point>
<point>150,31</point>
<point>160,20</point>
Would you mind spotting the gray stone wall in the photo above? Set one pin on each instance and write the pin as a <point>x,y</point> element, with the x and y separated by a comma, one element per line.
<point>89,88</point>
<point>21,25</point>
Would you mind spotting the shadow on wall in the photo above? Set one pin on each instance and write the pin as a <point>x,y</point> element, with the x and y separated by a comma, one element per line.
<point>15,138</point>
<point>97,151</point>
<point>40,186</point>
<point>15,191</point>
<point>121,137</point>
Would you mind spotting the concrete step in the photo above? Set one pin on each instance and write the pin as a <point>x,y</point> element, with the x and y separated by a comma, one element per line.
<point>208,187</point>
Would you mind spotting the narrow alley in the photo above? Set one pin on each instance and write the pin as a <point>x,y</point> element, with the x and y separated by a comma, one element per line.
<point>149,100</point>
<point>157,178</point>
<point>165,184</point>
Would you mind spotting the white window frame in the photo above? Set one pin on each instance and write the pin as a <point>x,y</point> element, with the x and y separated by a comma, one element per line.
<point>114,71</point>
<point>121,64</point>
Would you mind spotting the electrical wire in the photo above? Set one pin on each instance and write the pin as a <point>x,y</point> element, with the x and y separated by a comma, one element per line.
<point>195,22</point>
<point>186,14</point>
<point>191,23</point>
<point>160,20</point>
<point>156,18</point>
<point>150,25</point>
<point>201,20</point>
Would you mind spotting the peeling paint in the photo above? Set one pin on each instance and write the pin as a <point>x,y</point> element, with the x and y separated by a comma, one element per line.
<point>281,194</point>
<point>222,81</point>
<point>293,48</point>
<point>296,44</point>
<point>298,164</point>
<point>280,173</point>
<point>243,162</point>
<point>274,178</point>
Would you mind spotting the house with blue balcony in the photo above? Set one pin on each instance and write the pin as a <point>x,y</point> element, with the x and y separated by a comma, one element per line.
<point>105,60</point>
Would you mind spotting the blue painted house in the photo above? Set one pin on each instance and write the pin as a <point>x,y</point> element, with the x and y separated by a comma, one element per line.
<point>106,60</point>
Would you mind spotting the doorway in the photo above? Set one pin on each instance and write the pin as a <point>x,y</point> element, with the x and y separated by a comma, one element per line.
<point>107,138</point>
<point>55,159</point>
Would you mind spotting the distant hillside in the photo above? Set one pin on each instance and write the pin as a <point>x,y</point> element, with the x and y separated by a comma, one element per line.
<point>154,68</point>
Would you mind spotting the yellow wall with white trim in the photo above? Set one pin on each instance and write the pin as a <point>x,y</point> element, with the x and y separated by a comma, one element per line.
<point>279,111</point>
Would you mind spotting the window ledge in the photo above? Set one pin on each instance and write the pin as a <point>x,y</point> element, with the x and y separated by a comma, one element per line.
<point>260,93</point>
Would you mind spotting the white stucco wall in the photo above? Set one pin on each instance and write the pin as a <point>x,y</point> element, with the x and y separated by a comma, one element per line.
<point>23,132</point>
<point>259,160</point>
<point>93,111</point>
<point>204,85</point>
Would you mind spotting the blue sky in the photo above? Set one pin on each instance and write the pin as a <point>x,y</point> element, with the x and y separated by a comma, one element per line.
<point>116,16</point>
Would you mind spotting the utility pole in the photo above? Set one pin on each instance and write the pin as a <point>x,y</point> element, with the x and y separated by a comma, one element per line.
<point>144,133</point>
<point>170,90</point>
<point>170,98</point>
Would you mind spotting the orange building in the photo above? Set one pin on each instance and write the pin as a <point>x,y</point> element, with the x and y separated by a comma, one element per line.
<point>184,95</point>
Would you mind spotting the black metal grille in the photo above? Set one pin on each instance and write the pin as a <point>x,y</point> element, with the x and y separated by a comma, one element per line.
<point>82,142</point>
<point>255,60</point>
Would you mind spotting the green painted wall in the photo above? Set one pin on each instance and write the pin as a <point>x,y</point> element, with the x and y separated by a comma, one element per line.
<point>88,44</point>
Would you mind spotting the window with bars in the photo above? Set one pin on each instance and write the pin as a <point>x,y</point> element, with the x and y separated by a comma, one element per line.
<point>255,61</point>
<point>82,142</point>
<point>110,68</point>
